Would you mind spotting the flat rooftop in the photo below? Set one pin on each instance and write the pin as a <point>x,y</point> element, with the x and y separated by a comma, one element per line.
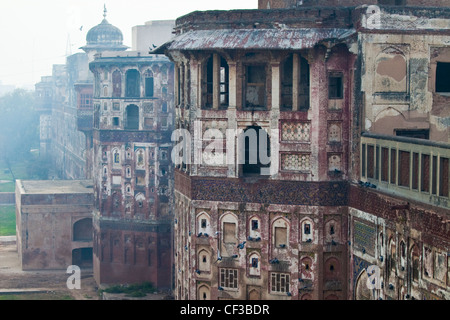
<point>54,186</point>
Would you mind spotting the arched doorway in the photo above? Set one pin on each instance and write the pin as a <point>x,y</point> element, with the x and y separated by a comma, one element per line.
<point>362,291</point>
<point>254,153</point>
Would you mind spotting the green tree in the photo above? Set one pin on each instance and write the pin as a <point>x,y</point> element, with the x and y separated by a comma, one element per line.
<point>19,126</point>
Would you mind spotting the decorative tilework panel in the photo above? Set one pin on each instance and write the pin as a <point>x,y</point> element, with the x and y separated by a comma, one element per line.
<point>296,131</point>
<point>220,125</point>
<point>334,132</point>
<point>295,162</point>
<point>264,191</point>
<point>148,107</point>
<point>334,162</point>
<point>364,237</point>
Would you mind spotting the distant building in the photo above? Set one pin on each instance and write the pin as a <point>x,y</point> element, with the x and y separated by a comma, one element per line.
<point>152,34</point>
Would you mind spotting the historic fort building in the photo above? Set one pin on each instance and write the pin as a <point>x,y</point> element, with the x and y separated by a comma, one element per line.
<point>343,106</point>
<point>133,112</point>
<point>106,116</point>
<point>309,157</point>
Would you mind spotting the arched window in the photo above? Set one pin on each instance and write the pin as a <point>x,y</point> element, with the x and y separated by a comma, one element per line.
<point>332,231</point>
<point>132,83</point>
<point>392,256</point>
<point>203,224</point>
<point>82,230</point>
<point>306,296</point>
<point>149,84</point>
<point>362,291</point>
<point>254,265</point>
<point>132,121</point>
<point>286,82</point>
<point>294,83</point>
<point>307,230</point>
<point>332,269</point>
<point>128,188</point>
<point>140,159</point>
<point>224,84</point>
<point>415,263</point>
<point>254,294</point>
<point>229,229</point>
<point>216,80</point>
<point>402,255</point>
<point>117,84</point>
<point>140,198</point>
<point>204,261</point>
<point>203,293</point>
<point>280,229</point>
<point>208,97</point>
<point>116,156</point>
<point>306,268</point>
<point>391,71</point>
<point>254,228</point>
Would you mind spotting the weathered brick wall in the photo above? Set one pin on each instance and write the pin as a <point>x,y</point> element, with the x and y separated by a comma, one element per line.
<point>276,4</point>
<point>332,17</point>
<point>431,221</point>
<point>264,191</point>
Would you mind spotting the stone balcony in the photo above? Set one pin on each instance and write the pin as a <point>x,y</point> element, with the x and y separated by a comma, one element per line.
<point>417,169</point>
<point>85,119</point>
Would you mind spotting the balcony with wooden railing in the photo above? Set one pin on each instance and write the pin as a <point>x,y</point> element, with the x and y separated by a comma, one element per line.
<point>416,169</point>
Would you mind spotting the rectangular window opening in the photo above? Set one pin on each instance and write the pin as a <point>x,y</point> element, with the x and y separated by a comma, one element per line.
<point>443,175</point>
<point>229,232</point>
<point>434,176</point>
<point>425,173</point>
<point>363,160</point>
<point>280,236</point>
<point>149,87</point>
<point>370,161</point>
<point>335,86</point>
<point>415,171</point>
<point>442,76</point>
<point>255,92</point>
<point>393,166</point>
<point>403,172</point>
<point>384,164</point>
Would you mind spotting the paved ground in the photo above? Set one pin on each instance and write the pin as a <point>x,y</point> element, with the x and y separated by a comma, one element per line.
<point>14,280</point>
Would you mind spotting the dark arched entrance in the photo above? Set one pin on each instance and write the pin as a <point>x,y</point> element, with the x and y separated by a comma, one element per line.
<point>255,151</point>
<point>82,230</point>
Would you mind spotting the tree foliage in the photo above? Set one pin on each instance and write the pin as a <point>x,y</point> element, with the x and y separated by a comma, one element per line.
<point>19,125</point>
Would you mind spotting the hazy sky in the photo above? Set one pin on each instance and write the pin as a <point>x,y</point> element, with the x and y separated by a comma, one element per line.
<point>37,34</point>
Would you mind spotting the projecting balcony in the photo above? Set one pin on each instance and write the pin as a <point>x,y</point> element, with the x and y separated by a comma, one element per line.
<point>85,119</point>
<point>413,168</point>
